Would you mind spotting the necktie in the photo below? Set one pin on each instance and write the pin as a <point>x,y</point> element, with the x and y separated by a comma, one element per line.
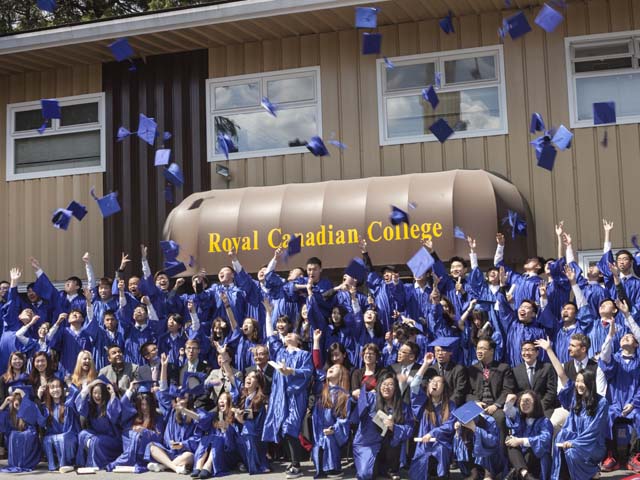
<point>580,367</point>
<point>530,372</point>
<point>485,373</point>
<point>405,371</point>
<point>440,369</point>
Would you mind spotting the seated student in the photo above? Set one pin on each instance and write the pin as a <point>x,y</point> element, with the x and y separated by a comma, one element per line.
<point>180,438</point>
<point>141,424</point>
<point>456,376</point>
<point>529,445</point>
<point>16,371</point>
<point>331,421</point>
<point>119,372</point>
<point>61,426</point>
<point>368,374</point>
<point>580,446</point>
<point>84,371</point>
<point>41,374</point>
<point>372,451</point>
<point>261,365</point>
<point>99,443</point>
<point>537,376</point>
<point>477,322</point>
<point>19,423</point>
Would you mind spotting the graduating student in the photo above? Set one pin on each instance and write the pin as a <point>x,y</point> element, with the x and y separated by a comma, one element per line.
<point>70,298</point>
<point>13,317</point>
<point>235,297</point>
<point>42,342</point>
<point>99,443</point>
<point>172,341</point>
<point>84,371</point>
<point>139,328</point>
<point>529,444</point>
<point>331,421</point>
<point>102,298</point>
<point>41,374</point>
<point>246,337</point>
<point>592,286</point>
<point>19,422</point>
<point>366,329</point>
<point>478,322</point>
<point>61,426</point>
<point>442,320</point>
<point>16,371</point>
<point>110,334</point>
<point>74,336</point>
<point>622,267</point>
<point>381,411</point>
<point>336,355</point>
<point>284,294</point>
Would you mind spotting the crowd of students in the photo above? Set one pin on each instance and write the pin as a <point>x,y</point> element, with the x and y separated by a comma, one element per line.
<point>515,375</point>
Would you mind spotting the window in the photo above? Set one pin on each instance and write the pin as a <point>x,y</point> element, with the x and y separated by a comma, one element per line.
<point>603,68</point>
<point>234,109</point>
<point>472,95</point>
<point>71,145</point>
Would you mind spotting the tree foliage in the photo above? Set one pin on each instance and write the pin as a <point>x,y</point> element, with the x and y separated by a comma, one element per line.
<point>22,15</point>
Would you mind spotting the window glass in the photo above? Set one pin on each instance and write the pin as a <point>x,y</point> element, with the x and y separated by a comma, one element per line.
<point>470,69</point>
<point>79,114</point>
<point>596,50</point>
<point>604,64</point>
<point>291,89</point>
<point>237,96</point>
<point>56,152</point>
<point>622,89</point>
<point>410,76</point>
<point>29,120</point>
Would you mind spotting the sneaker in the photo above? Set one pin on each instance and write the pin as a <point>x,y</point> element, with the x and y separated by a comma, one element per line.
<point>195,473</point>
<point>609,464</point>
<point>66,469</point>
<point>293,472</point>
<point>634,463</point>
<point>182,470</point>
<point>334,474</point>
<point>242,468</point>
<point>155,467</point>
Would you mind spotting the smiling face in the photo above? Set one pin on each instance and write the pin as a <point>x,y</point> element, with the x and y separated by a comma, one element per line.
<point>387,389</point>
<point>40,363</point>
<point>457,269</point>
<point>526,404</point>
<point>607,309</point>
<point>251,382</point>
<point>86,362</point>
<point>260,355</point>
<point>333,374</point>
<point>370,317</point>
<point>223,403</point>
<point>247,327</point>
<point>96,394</point>
<point>140,314</point>
<point>225,276</point>
<point>134,283</point>
<point>43,330</point>
<point>526,313</point>
<point>55,389</point>
<point>484,352</point>
<point>581,387</point>
<point>435,387</point>
<point>162,282</point>
<point>336,316</point>
<point>16,362</point>
<point>529,353</point>
<point>104,291</point>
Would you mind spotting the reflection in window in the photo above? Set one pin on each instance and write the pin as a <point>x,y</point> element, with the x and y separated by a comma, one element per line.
<point>291,89</point>
<point>236,96</point>
<point>470,69</point>
<point>621,88</point>
<point>410,76</point>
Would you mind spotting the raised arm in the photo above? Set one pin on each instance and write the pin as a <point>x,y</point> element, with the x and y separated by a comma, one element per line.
<point>559,231</point>
<point>607,226</point>
<point>499,255</point>
<point>630,322</point>
<point>146,269</point>
<point>473,256</point>
<point>568,251</point>
<point>268,325</point>
<point>91,278</point>
<point>581,301</point>
<point>545,344</point>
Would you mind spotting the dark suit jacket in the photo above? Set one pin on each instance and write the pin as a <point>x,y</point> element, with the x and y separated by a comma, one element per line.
<point>457,379</point>
<point>570,368</point>
<point>545,383</point>
<point>202,367</point>
<point>501,382</point>
<point>268,376</point>
<point>397,369</point>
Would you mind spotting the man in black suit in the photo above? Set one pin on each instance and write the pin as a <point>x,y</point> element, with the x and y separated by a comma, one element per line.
<point>406,368</point>
<point>537,376</point>
<point>490,383</point>
<point>261,361</point>
<point>192,365</point>
<point>455,375</point>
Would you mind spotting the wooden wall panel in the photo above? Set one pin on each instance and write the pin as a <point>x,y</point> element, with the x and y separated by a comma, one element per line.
<point>29,204</point>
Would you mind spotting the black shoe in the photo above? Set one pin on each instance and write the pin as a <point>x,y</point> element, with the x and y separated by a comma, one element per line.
<point>195,473</point>
<point>512,475</point>
<point>204,474</point>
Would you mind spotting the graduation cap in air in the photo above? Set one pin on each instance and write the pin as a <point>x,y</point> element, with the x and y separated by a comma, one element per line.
<point>170,249</point>
<point>548,18</point>
<point>225,144</point>
<point>317,147</point>
<point>173,267</point>
<point>467,412</point>
<point>459,233</point>
<point>50,109</point>
<point>398,216</point>
<point>61,218</point>
<point>294,246</point>
<point>562,138</point>
<point>269,107</point>
<point>537,124</point>
<point>604,112</point>
<point>446,23</point>
<point>108,204</point>
<point>371,43</point>
<point>388,63</point>
<point>173,174</point>
<point>441,130</point>
<point>516,26</point>
<point>122,134</point>
<point>516,222</point>
<point>47,5</point>
<point>162,157</point>
<point>121,50</point>
<point>447,343</point>
<point>420,263</point>
<point>147,129</point>
<point>430,95</point>
<point>547,156</point>
<point>77,210</point>
<point>367,17</point>
<point>356,270</point>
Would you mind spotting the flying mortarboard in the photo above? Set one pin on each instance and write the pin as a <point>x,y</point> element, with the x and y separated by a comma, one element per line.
<point>268,106</point>
<point>388,63</point>
<point>193,383</point>
<point>104,379</point>
<point>446,23</point>
<point>108,204</point>
<point>467,412</point>
<point>317,147</point>
<point>371,43</point>
<point>398,216</point>
<point>448,343</point>
<point>166,136</point>
<point>547,156</point>
<point>121,50</point>
<point>294,246</point>
<point>441,130</point>
<point>172,268</point>
<point>459,233</point>
<point>162,157</point>
<point>147,128</point>
<point>47,5</point>
<point>122,134</point>
<point>430,95</point>
<point>516,25</point>
<point>77,209</point>
<point>537,124</point>
<point>548,18</point>
<point>61,218</point>
<point>356,270</point>
<point>604,112</point>
<point>173,174</point>
<point>562,138</point>
<point>170,249</point>
<point>367,17</point>
<point>50,109</point>
<point>420,263</point>
<point>337,144</point>
<point>518,224</point>
<point>225,144</point>
<point>145,386</point>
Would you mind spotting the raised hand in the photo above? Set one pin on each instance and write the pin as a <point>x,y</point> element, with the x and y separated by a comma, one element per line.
<point>35,263</point>
<point>143,251</point>
<point>608,226</point>
<point>427,243</point>
<point>560,228</point>
<point>472,243</point>
<point>86,258</point>
<point>623,307</point>
<point>503,276</point>
<point>570,273</point>
<point>566,239</point>
<point>500,238</point>
<point>123,261</point>
<point>363,245</point>
<point>543,343</point>
<point>15,274</point>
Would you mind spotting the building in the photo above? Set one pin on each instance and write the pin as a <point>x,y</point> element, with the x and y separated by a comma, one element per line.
<point>195,65</point>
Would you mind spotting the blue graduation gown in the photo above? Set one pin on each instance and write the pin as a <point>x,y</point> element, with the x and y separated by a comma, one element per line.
<point>70,343</point>
<point>631,285</point>
<point>11,324</point>
<point>58,300</point>
<point>289,394</point>
<point>540,434</point>
<point>417,301</point>
<point>623,382</point>
<point>254,295</point>
<point>23,446</point>
<point>329,445</point>
<point>486,447</point>
<point>223,447</point>
<point>517,332</point>
<point>213,304</point>
<point>388,296</point>
<point>61,438</point>
<point>252,449</point>
<point>285,299</point>
<point>587,435</point>
<point>100,443</point>
<point>101,344</point>
<point>559,288</point>
<point>368,441</point>
<point>526,286</point>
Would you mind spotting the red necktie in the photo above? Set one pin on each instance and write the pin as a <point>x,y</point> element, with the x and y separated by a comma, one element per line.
<point>485,373</point>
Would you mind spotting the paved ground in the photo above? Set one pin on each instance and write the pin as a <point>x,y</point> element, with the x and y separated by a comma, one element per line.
<point>278,473</point>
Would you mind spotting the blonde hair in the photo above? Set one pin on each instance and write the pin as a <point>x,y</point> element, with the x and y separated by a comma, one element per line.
<point>78,376</point>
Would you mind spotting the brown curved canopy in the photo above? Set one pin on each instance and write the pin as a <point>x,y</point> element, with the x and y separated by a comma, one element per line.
<point>333,216</point>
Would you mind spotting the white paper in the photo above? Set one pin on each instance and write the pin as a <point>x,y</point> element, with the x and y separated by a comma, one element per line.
<point>275,365</point>
<point>379,419</point>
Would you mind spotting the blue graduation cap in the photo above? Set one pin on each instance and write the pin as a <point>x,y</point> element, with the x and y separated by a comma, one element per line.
<point>548,18</point>
<point>459,233</point>
<point>147,128</point>
<point>420,262</point>
<point>104,379</point>
<point>398,216</point>
<point>317,147</point>
<point>122,134</point>
<point>225,144</point>
<point>430,95</point>
<point>367,17</point>
<point>173,174</point>
<point>162,157</point>
<point>145,386</point>
<point>441,130</point>
<point>269,107</point>
<point>166,136</point>
<point>371,43</point>
<point>356,270</point>
<point>388,63</point>
<point>294,246</point>
<point>173,267</point>
<point>108,204</point>
<point>562,138</point>
<point>517,25</point>
<point>446,23</point>
<point>121,49</point>
<point>50,109</point>
<point>604,112</point>
<point>547,156</point>
<point>193,383</point>
<point>61,218</point>
<point>77,209</point>
<point>170,249</point>
<point>447,343</point>
<point>47,5</point>
<point>537,124</point>
<point>467,412</point>
<point>337,144</point>
<point>516,222</point>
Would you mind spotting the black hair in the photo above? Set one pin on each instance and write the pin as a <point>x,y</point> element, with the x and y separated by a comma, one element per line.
<point>396,402</point>
<point>415,349</point>
<point>538,411</point>
<point>624,252</point>
<point>73,278</point>
<point>590,398</point>
<point>458,259</point>
<point>339,347</point>
<point>533,304</point>
<point>314,261</point>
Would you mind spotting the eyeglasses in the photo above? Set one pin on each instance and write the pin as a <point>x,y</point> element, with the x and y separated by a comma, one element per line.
<point>191,349</point>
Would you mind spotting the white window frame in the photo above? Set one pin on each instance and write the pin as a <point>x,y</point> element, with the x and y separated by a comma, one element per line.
<point>598,39</point>
<point>262,79</point>
<point>439,58</point>
<point>585,257</point>
<point>55,130</point>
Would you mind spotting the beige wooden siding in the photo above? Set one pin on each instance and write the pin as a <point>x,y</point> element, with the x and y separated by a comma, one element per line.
<point>589,182</point>
<point>27,205</point>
